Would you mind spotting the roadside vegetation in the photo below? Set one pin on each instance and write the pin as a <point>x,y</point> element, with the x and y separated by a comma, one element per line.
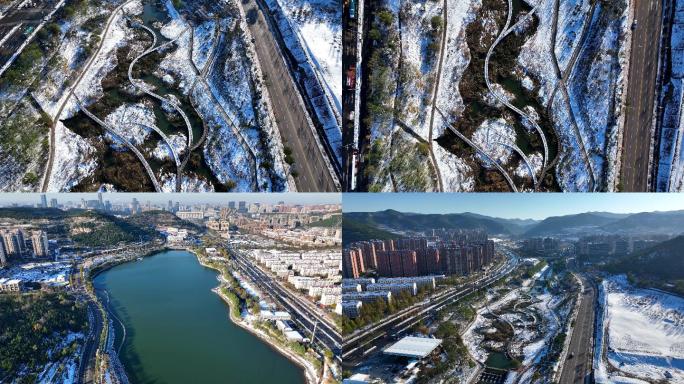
<point>375,311</point>
<point>34,327</point>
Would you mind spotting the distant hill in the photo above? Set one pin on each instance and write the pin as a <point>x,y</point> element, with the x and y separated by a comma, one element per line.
<point>355,230</point>
<point>90,228</point>
<point>663,261</point>
<point>152,219</point>
<point>515,226</point>
<point>421,222</point>
<point>29,213</point>
<point>572,223</point>
<point>649,222</point>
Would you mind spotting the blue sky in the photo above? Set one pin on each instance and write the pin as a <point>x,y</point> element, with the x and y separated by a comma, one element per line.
<point>513,205</point>
<point>184,198</point>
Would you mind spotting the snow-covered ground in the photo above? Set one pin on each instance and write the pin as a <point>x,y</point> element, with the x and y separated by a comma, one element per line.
<point>533,314</point>
<point>236,82</point>
<point>312,32</point>
<point>176,62</point>
<point>318,26</point>
<point>595,85</point>
<point>126,119</point>
<point>73,161</point>
<point>671,162</point>
<point>641,333</point>
<point>495,137</point>
<point>51,273</point>
<point>456,175</point>
<point>205,37</point>
<point>63,369</point>
<point>225,155</point>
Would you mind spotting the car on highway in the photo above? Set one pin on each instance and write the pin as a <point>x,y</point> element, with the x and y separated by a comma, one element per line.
<point>634,25</point>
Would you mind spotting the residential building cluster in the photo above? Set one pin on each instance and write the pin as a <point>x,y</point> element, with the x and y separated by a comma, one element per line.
<point>315,272</point>
<point>306,237</point>
<point>22,243</point>
<point>291,213</point>
<point>610,245</point>
<point>359,291</point>
<point>449,252</point>
<point>541,245</point>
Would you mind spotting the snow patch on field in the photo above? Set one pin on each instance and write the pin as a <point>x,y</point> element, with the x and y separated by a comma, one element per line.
<point>457,176</point>
<point>535,55</point>
<point>126,119</point>
<point>90,87</point>
<point>644,332</point>
<point>536,161</point>
<point>53,89</point>
<point>73,160</point>
<point>224,154</point>
<point>456,56</point>
<point>571,19</point>
<point>490,135</point>
<point>205,36</point>
<point>571,170</point>
<point>177,62</point>
<point>163,152</point>
<point>419,67</point>
<point>189,184</point>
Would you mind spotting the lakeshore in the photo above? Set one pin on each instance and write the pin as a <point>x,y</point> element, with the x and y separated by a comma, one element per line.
<point>310,370</point>
<point>178,302</point>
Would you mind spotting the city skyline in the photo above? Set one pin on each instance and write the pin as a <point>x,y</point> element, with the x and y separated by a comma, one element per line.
<point>9,199</point>
<point>513,205</point>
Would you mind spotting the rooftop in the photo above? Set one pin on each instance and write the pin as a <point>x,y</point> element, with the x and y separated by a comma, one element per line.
<point>415,347</point>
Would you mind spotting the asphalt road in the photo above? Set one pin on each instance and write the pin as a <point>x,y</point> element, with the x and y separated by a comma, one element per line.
<point>51,154</point>
<point>299,311</point>
<point>641,92</point>
<point>86,368</point>
<point>577,367</point>
<point>358,346</point>
<point>288,108</point>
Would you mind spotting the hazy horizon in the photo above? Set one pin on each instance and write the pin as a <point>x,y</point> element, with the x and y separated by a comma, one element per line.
<point>522,206</point>
<point>183,198</point>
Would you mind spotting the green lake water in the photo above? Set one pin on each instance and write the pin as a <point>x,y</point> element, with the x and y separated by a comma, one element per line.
<point>178,331</point>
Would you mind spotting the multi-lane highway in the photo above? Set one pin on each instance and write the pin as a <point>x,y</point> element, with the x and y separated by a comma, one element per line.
<point>643,68</point>
<point>578,359</point>
<point>301,312</point>
<point>86,373</point>
<point>314,171</point>
<point>374,338</point>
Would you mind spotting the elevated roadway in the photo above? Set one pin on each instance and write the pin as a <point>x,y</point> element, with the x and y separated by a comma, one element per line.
<point>375,337</point>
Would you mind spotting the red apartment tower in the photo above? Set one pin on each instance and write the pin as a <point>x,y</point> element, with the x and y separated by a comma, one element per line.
<point>352,263</point>
<point>398,263</point>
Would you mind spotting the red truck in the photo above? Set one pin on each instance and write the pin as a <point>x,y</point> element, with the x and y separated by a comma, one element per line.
<point>351,77</point>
